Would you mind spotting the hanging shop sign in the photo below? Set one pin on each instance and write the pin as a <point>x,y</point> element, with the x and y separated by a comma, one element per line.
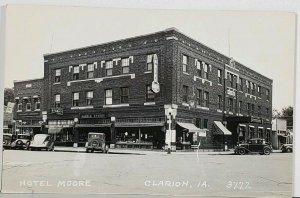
<point>155,85</point>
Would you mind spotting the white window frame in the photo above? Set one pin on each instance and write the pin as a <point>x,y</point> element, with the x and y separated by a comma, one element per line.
<point>109,68</point>
<point>75,99</point>
<point>108,96</point>
<point>89,97</point>
<point>125,65</point>
<point>149,62</point>
<point>184,63</point>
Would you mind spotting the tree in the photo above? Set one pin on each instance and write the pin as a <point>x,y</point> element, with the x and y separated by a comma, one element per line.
<point>9,95</point>
<point>276,113</point>
<point>287,113</point>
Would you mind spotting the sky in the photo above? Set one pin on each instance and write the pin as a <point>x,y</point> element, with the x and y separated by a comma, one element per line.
<point>262,41</point>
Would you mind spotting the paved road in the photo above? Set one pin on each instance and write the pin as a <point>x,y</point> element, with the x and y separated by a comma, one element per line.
<point>154,173</point>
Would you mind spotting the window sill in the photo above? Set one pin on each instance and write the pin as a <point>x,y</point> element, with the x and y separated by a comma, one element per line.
<point>147,72</point>
<point>28,110</point>
<point>219,110</point>
<point>220,84</point>
<point>185,104</point>
<point>19,111</point>
<point>203,80</point>
<point>116,105</point>
<point>149,103</point>
<point>37,110</point>
<point>57,83</point>
<point>83,107</point>
<point>186,73</point>
<point>204,108</point>
<point>230,113</point>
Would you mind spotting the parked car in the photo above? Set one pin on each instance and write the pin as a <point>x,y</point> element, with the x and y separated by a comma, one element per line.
<point>255,145</point>
<point>7,140</point>
<point>42,141</point>
<point>22,142</point>
<point>96,142</point>
<point>287,148</point>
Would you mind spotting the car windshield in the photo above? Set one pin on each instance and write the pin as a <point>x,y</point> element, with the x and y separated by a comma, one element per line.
<point>95,135</point>
<point>23,137</point>
<point>39,138</point>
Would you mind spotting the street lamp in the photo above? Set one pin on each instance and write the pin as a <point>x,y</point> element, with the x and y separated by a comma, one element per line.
<point>75,145</point>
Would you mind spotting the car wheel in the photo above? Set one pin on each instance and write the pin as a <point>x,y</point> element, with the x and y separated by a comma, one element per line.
<point>242,151</point>
<point>289,150</point>
<point>267,151</point>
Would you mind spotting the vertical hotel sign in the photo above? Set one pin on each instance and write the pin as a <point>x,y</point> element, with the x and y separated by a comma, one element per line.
<point>155,85</point>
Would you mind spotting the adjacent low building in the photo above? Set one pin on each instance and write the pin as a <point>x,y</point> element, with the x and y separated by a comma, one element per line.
<point>146,91</point>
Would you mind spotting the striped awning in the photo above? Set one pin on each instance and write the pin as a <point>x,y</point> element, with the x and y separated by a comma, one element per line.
<point>192,128</point>
<point>220,129</point>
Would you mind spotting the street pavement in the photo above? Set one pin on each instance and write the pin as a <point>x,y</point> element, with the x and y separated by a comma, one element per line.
<point>125,172</point>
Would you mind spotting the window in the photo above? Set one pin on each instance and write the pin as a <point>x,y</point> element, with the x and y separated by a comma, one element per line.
<point>267,111</point>
<point>258,111</point>
<point>20,106</point>
<point>220,76</point>
<point>108,68</point>
<point>57,76</point>
<point>199,69</point>
<point>220,102</point>
<point>198,123</point>
<point>230,78</point>
<point>268,94</point>
<point>206,99</point>
<point>89,97</point>
<point>75,99</point>
<point>149,62</point>
<point>124,94</point>
<point>185,94</point>
<point>240,107</point>
<point>76,73</point>
<point>57,100</point>
<point>37,104</point>
<point>108,96</point>
<point>205,123</point>
<point>230,104</point>
<point>253,88</point>
<point>252,109</point>
<point>150,95</point>
<point>205,69</point>
<point>90,72</point>
<point>125,65</point>
<point>199,97</point>
<point>241,84</point>
<point>259,90</point>
<point>184,63</point>
<point>28,105</point>
<point>248,87</point>
<point>248,108</point>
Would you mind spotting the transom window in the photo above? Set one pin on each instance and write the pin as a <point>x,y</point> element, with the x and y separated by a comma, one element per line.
<point>90,72</point>
<point>125,65</point>
<point>57,75</point>
<point>76,73</point>
<point>109,68</point>
<point>124,94</point>
<point>108,96</point>
<point>75,99</point>
<point>89,97</point>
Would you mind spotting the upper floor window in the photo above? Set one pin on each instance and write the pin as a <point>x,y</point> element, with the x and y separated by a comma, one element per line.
<point>248,109</point>
<point>230,104</point>
<point>205,71</point>
<point>230,78</point>
<point>268,94</point>
<point>259,90</point>
<point>75,99</point>
<point>185,93</point>
<point>240,107</point>
<point>108,96</point>
<point>184,63</point>
<point>124,94</point>
<point>108,68</point>
<point>76,73</point>
<point>206,99</point>
<point>199,69</point>
<point>150,62</point>
<point>89,97</point>
<point>248,87</point>
<point>57,100</point>
<point>20,106</point>
<point>258,110</point>
<point>57,76</point>
<point>125,65</point>
<point>220,76</point>
<point>150,95</point>
<point>241,84</point>
<point>90,72</point>
<point>253,88</point>
<point>37,104</point>
<point>199,97</point>
<point>205,123</point>
<point>28,105</point>
<point>252,109</point>
<point>220,102</point>
<point>267,111</point>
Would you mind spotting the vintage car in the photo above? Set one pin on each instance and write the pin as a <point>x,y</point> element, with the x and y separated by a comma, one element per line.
<point>22,142</point>
<point>96,142</point>
<point>255,145</point>
<point>287,148</point>
<point>42,141</point>
<point>7,140</point>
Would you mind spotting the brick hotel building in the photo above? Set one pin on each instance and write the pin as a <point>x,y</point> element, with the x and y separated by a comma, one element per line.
<point>113,88</point>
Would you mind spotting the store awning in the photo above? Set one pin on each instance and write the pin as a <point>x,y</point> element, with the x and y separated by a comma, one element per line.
<point>220,129</point>
<point>192,128</point>
<point>148,124</point>
<point>54,130</point>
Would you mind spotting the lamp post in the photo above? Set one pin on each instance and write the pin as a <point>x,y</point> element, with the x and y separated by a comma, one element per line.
<point>112,131</point>
<point>170,112</point>
<point>75,145</point>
